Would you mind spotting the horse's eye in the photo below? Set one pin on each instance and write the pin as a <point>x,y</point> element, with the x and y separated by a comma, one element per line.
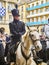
<point>32,35</point>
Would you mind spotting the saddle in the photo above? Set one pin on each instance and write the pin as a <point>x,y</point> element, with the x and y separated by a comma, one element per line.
<point>13,48</point>
<point>11,56</point>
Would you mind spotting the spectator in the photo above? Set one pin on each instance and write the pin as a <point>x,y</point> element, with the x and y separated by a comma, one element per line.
<point>46,29</point>
<point>2,61</point>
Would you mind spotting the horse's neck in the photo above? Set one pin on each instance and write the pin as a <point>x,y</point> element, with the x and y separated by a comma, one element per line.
<point>27,43</point>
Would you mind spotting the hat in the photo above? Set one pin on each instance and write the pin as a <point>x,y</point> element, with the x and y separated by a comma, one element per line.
<point>15,12</point>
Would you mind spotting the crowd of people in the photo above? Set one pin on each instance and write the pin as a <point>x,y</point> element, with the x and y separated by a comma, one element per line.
<point>4,38</point>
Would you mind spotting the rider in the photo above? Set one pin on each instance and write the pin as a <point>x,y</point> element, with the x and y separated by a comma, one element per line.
<point>17,27</point>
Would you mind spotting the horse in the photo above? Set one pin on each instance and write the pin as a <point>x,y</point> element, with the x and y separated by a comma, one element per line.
<point>23,53</point>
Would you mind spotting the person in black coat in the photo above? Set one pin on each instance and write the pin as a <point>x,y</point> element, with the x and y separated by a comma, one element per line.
<point>17,28</point>
<point>42,53</point>
<point>2,50</point>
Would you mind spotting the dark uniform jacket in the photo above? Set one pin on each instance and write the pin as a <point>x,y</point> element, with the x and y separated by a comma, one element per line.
<point>17,29</point>
<point>1,52</point>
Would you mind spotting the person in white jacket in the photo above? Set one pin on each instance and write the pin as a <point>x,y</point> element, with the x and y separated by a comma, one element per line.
<point>46,29</point>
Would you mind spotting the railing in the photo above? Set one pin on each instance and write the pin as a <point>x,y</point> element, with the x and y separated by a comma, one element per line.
<point>37,23</point>
<point>37,7</point>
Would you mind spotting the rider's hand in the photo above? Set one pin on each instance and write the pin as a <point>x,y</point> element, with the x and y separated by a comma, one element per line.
<point>20,33</point>
<point>5,59</point>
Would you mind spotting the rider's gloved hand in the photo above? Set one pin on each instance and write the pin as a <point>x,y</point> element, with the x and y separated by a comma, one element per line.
<point>5,59</point>
<point>20,34</point>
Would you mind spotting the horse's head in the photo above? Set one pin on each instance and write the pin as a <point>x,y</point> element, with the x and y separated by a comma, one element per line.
<point>31,37</point>
<point>35,38</point>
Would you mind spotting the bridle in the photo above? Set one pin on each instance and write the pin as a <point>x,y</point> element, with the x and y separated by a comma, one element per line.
<point>23,54</point>
<point>31,36</point>
<point>22,46</point>
<point>33,40</point>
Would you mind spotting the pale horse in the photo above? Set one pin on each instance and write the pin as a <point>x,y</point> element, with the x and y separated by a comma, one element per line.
<point>23,53</point>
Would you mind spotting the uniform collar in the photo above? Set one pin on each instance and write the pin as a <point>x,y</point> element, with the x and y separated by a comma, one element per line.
<point>16,21</point>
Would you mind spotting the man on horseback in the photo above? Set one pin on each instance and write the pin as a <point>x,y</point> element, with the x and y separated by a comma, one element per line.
<point>17,28</point>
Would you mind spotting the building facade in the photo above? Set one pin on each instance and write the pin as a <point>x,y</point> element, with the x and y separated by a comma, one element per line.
<point>4,20</point>
<point>22,10</point>
<point>35,11</point>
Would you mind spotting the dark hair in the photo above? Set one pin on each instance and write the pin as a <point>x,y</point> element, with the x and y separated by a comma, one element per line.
<point>2,29</point>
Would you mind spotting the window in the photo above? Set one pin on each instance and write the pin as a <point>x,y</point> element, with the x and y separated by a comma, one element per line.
<point>30,12</point>
<point>1,18</point>
<point>37,19</point>
<point>37,11</point>
<point>22,16</point>
<point>41,2</point>
<point>46,17</point>
<point>33,12</point>
<point>37,3</point>
<point>0,4</point>
<point>47,9</point>
<point>32,5</point>
<point>31,0</point>
<point>41,10</point>
<point>10,6</point>
<point>47,0</point>
<point>28,6</point>
<point>22,8</point>
<point>17,0</point>
<point>31,20</point>
<point>42,18</point>
<point>10,17</point>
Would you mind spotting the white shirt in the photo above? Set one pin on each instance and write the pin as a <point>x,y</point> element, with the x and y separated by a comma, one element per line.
<point>46,30</point>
